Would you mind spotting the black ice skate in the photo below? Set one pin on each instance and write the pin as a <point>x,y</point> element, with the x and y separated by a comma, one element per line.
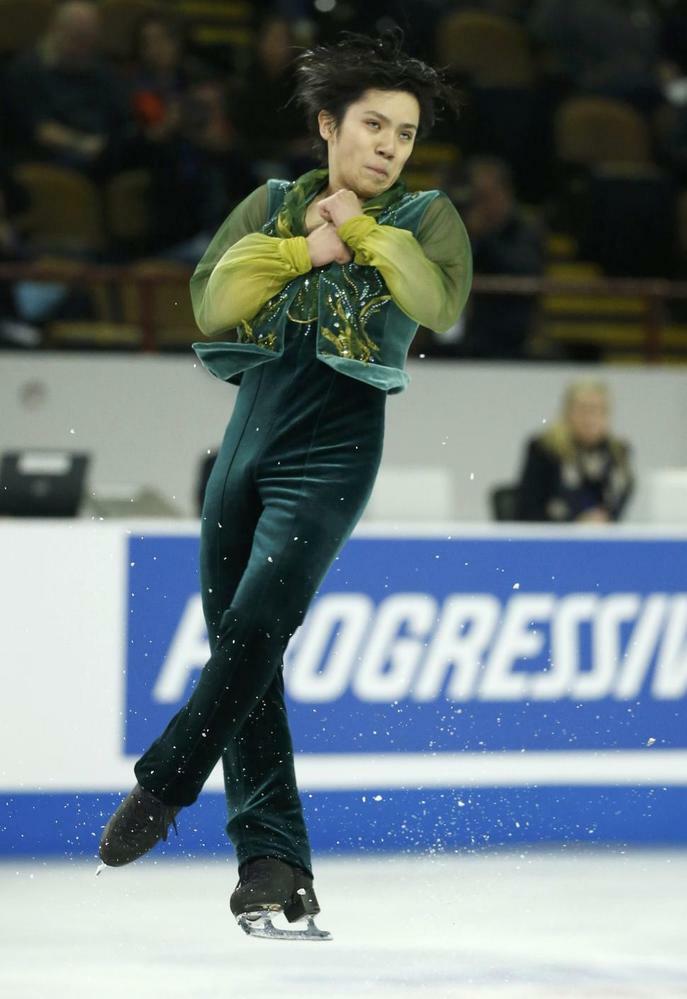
<point>268,886</point>
<point>140,822</point>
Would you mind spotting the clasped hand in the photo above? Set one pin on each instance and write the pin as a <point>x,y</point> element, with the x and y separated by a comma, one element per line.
<point>340,207</point>
<point>324,243</point>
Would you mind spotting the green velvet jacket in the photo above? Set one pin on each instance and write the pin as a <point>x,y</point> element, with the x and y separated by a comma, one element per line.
<point>411,265</point>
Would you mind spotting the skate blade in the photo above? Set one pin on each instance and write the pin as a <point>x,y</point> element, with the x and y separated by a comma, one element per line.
<point>259,924</point>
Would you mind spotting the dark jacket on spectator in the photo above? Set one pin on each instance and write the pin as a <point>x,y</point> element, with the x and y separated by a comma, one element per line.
<point>90,101</point>
<point>498,325</point>
<point>561,480</point>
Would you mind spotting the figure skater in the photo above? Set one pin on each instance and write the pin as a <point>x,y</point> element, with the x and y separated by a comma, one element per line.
<point>311,293</point>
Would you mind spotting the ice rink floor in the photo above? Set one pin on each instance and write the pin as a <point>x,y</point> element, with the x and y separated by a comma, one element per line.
<point>529,925</point>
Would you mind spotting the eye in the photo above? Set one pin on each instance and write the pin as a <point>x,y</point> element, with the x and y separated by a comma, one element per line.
<point>372,123</point>
<point>408,135</point>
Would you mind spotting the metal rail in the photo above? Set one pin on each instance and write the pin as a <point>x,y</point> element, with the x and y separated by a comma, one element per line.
<point>654,292</point>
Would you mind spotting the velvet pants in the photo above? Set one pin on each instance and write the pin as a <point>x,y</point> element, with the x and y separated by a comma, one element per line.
<point>293,475</point>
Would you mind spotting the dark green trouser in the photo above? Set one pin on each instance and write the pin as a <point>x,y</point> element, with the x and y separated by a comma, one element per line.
<point>293,475</point>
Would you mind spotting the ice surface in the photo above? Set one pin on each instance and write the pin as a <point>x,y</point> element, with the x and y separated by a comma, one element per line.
<point>524,925</point>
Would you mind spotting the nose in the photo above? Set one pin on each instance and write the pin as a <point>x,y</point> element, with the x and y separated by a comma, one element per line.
<point>386,146</point>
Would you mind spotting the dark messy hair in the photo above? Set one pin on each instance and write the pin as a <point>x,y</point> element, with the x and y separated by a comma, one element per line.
<point>332,77</point>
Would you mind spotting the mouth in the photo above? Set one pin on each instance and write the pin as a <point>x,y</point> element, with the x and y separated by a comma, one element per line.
<point>378,171</point>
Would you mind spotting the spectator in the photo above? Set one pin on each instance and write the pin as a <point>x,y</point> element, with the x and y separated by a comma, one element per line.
<point>269,126</point>
<point>602,47</point>
<point>186,140</point>
<point>160,76</point>
<point>202,169</point>
<point>503,242</point>
<point>577,470</point>
<point>64,103</point>
<point>14,332</point>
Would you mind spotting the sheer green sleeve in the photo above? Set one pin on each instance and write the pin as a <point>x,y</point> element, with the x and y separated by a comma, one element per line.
<point>243,268</point>
<point>429,276</point>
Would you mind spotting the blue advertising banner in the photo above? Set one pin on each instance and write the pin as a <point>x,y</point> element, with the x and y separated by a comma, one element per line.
<point>462,692</point>
<point>445,645</point>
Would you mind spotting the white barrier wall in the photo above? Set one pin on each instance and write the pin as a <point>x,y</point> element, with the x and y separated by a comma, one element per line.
<point>449,687</point>
<point>149,420</point>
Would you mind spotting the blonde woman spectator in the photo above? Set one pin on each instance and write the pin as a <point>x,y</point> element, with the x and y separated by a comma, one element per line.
<point>577,470</point>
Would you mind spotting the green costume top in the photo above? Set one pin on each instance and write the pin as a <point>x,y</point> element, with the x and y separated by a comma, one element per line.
<point>412,265</point>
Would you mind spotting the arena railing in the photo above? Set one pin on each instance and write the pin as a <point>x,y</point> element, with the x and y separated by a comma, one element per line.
<point>655,293</point>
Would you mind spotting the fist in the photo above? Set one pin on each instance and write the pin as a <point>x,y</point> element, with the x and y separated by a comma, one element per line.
<point>340,207</point>
<point>326,247</point>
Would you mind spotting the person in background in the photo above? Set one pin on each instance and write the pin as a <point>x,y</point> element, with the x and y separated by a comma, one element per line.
<point>608,48</point>
<point>503,242</point>
<point>262,110</point>
<point>185,139</point>
<point>577,470</point>
<point>159,76</point>
<point>63,102</point>
<point>14,331</point>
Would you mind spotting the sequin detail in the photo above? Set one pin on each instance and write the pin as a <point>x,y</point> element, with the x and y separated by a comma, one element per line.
<point>266,321</point>
<point>349,304</point>
<point>352,293</point>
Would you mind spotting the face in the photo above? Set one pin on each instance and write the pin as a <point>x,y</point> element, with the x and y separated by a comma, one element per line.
<point>77,37</point>
<point>588,417</point>
<point>158,46</point>
<point>489,195</point>
<point>274,44</point>
<point>370,147</point>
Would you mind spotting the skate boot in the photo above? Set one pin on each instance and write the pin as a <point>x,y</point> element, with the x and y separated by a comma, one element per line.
<point>268,886</point>
<point>140,822</point>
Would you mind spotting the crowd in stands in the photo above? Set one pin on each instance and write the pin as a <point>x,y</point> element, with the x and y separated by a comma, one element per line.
<point>574,124</point>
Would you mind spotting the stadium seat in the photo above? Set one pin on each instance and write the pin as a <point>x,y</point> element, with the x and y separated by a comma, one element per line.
<point>64,212</point>
<point>22,22</point>
<point>419,493</point>
<point>119,19</point>
<point>223,27</point>
<point>491,55</point>
<point>503,502</point>
<point>593,130</point>
<point>629,225</point>
<point>430,164</point>
<point>491,51</point>
<point>127,210</point>
<point>167,306</point>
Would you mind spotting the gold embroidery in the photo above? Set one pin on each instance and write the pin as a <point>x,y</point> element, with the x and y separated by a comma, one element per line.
<point>357,293</point>
<point>304,306</point>
<point>373,304</point>
<point>352,341</point>
<point>246,334</point>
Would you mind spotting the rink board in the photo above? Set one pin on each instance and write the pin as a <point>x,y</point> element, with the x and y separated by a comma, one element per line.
<point>448,688</point>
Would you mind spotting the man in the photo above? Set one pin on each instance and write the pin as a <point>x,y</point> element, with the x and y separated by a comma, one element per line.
<point>63,104</point>
<point>503,242</point>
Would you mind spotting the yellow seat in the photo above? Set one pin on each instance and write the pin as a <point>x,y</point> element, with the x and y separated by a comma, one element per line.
<point>164,304</point>
<point>592,130</point>
<point>103,329</point>
<point>127,207</point>
<point>430,165</point>
<point>119,19</point>
<point>492,51</point>
<point>219,23</point>
<point>64,212</point>
<point>87,333</point>
<point>22,22</point>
